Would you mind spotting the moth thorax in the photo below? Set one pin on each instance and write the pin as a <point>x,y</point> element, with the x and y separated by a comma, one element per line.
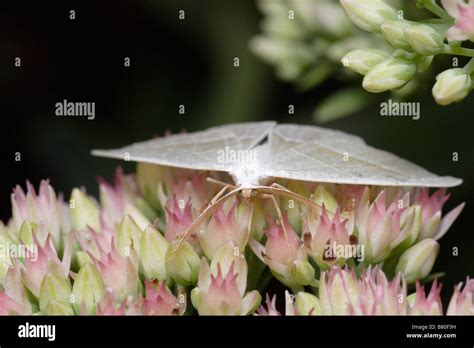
<point>247,175</point>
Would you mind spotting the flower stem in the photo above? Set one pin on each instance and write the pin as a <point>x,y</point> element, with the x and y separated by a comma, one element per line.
<point>432,6</point>
<point>469,67</point>
<point>458,51</point>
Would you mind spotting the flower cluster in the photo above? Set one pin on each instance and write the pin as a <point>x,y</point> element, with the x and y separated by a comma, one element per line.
<point>414,46</point>
<point>357,250</point>
<point>304,41</point>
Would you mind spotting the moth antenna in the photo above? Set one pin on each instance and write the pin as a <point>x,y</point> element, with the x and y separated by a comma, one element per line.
<point>204,215</point>
<point>219,194</point>
<point>280,217</point>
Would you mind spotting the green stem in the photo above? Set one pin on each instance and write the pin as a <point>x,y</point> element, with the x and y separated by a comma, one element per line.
<point>469,68</point>
<point>432,6</point>
<point>458,51</point>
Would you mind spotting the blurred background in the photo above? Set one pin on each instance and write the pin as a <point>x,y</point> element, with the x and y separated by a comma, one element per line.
<point>186,62</point>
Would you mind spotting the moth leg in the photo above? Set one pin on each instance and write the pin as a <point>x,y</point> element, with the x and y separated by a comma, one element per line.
<point>281,187</point>
<point>282,222</point>
<point>204,215</point>
<point>219,194</point>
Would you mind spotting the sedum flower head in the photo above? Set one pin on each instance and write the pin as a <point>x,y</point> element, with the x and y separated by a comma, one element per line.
<point>112,260</point>
<point>42,208</point>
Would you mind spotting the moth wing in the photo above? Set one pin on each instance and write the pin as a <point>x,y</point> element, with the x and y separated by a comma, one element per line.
<point>315,154</point>
<point>198,150</point>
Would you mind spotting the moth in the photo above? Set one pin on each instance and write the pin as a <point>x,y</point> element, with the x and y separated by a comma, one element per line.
<point>255,154</point>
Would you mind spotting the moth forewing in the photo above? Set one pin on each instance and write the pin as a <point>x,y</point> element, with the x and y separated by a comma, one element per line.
<point>314,154</point>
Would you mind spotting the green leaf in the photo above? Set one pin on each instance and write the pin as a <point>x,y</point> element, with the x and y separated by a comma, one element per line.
<point>342,104</point>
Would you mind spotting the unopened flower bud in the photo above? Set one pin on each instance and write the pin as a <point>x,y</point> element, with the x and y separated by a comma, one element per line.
<point>388,75</point>
<point>362,61</point>
<point>452,86</point>
<point>424,39</point>
<point>369,15</point>
<point>324,197</point>
<point>148,177</point>
<point>153,248</point>
<point>303,272</point>
<point>84,212</point>
<point>58,308</point>
<point>54,287</point>
<point>128,236</point>
<point>417,261</point>
<point>182,264</point>
<point>88,289</point>
<point>307,304</point>
<point>394,33</point>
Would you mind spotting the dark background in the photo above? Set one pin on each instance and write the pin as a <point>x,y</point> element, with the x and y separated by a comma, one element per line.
<point>177,62</point>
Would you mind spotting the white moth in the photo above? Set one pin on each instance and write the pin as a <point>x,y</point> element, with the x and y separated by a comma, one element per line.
<point>255,153</point>
<point>287,151</point>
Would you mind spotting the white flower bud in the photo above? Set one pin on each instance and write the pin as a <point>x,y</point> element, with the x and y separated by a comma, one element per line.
<point>394,33</point>
<point>424,39</point>
<point>417,262</point>
<point>369,15</point>
<point>388,75</point>
<point>452,86</point>
<point>362,61</point>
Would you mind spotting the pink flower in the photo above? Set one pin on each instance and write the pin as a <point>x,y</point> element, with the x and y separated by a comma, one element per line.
<point>271,307</point>
<point>462,301</point>
<point>8,306</point>
<point>323,236</point>
<point>36,265</point>
<point>381,228</point>
<point>93,241</point>
<point>179,217</point>
<point>427,305</point>
<point>114,197</point>
<point>285,255</point>
<point>227,224</point>
<point>218,293</point>
<point>432,225</point>
<point>463,13</point>
<point>13,299</point>
<point>107,306</point>
<point>191,185</point>
<point>119,273</point>
<point>341,292</point>
<point>159,300</point>
<point>277,248</point>
<point>43,209</point>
